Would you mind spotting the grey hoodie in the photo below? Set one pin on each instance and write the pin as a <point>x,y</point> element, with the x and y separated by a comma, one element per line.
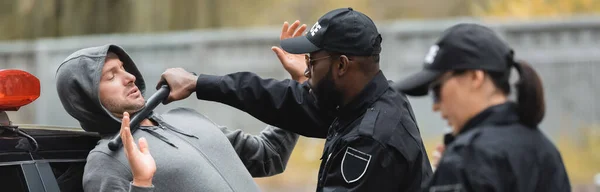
<point>192,153</point>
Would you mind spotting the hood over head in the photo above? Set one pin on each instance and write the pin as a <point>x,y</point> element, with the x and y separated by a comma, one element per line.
<point>78,81</point>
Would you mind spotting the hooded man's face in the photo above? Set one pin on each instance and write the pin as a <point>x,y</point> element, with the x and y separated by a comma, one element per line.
<point>118,92</point>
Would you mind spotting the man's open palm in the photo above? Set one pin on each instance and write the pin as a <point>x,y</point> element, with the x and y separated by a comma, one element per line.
<point>295,64</point>
<point>141,162</point>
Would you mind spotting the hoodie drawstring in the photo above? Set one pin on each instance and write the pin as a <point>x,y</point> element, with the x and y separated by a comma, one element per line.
<point>165,124</point>
<point>180,131</point>
<point>158,135</point>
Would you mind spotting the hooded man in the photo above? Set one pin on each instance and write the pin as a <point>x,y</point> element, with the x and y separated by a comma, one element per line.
<point>97,85</point>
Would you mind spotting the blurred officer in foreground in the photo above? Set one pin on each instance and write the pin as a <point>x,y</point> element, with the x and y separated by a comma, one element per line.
<point>496,144</point>
<point>373,142</point>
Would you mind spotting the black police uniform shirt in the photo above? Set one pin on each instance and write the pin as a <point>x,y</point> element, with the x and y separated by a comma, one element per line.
<point>495,152</point>
<point>372,143</point>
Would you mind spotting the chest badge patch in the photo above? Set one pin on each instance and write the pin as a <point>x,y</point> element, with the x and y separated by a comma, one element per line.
<point>354,164</point>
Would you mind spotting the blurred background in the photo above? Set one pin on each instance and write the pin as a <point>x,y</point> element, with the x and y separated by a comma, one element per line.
<point>559,38</point>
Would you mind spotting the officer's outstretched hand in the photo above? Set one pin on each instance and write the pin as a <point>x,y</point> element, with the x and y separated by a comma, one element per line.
<point>295,64</point>
<point>181,82</point>
<point>141,162</point>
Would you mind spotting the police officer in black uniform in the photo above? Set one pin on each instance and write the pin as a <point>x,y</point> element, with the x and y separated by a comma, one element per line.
<point>373,142</point>
<point>496,144</point>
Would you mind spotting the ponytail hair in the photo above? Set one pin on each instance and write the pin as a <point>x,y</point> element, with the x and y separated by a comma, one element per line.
<point>530,95</point>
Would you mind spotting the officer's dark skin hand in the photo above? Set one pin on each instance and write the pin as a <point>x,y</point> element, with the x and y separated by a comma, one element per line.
<point>181,82</point>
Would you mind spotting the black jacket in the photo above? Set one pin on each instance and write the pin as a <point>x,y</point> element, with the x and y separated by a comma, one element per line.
<point>495,152</point>
<point>373,143</point>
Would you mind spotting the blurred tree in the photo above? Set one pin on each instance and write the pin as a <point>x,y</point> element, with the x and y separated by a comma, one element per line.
<point>420,9</point>
<point>534,8</point>
<point>28,19</point>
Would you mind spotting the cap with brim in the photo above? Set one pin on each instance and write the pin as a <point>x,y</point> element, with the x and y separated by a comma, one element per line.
<point>298,45</point>
<point>461,47</point>
<point>418,84</point>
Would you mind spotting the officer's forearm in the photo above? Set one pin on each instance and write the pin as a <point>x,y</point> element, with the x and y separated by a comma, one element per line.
<point>283,104</point>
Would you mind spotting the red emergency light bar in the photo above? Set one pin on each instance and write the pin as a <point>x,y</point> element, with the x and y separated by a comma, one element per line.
<point>17,88</point>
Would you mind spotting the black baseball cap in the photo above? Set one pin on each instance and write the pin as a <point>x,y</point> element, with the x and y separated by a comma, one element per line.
<point>342,30</point>
<point>464,46</point>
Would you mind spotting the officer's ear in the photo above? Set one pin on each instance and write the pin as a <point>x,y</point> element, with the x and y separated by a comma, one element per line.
<point>477,78</point>
<point>343,65</point>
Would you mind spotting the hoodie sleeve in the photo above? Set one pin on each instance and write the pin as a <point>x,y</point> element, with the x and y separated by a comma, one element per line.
<point>266,154</point>
<point>285,104</point>
<point>105,173</point>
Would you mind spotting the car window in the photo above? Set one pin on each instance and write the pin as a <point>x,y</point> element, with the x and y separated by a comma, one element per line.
<point>12,178</point>
<point>68,175</point>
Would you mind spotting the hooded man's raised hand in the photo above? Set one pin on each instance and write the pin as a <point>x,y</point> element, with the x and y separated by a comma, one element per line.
<point>295,64</point>
<point>141,162</point>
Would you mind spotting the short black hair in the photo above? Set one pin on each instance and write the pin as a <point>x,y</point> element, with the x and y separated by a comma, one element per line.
<point>364,66</point>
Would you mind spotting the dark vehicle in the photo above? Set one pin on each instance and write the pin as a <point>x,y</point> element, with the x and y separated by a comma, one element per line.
<point>37,158</point>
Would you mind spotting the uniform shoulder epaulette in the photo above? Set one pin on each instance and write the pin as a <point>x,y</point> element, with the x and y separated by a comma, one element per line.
<point>367,124</point>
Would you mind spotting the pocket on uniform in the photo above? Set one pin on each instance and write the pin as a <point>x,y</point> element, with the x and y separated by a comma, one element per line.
<point>354,164</point>
<point>447,188</point>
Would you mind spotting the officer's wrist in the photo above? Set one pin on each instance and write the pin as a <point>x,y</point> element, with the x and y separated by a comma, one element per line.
<point>142,182</point>
<point>300,79</point>
<point>193,83</point>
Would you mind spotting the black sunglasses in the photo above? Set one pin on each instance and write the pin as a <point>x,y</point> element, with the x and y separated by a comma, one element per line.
<point>310,63</point>
<point>436,85</point>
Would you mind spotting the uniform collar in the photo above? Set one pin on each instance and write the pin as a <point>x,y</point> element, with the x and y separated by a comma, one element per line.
<point>500,114</point>
<point>369,94</point>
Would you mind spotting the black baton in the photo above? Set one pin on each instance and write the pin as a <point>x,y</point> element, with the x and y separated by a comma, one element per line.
<point>160,95</point>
